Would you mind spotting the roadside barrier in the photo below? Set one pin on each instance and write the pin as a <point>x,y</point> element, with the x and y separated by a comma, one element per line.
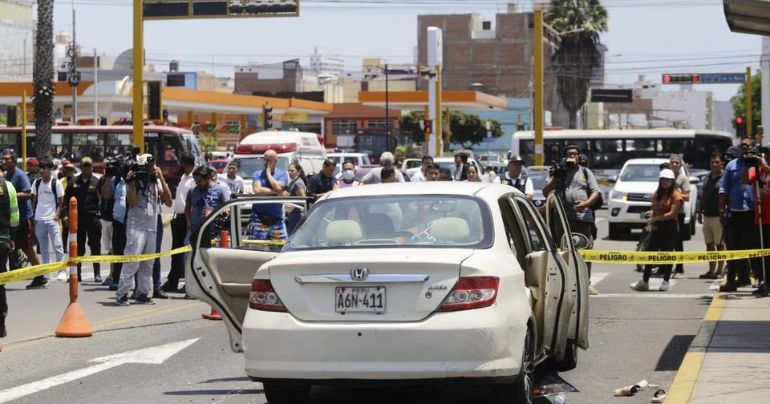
<point>661,257</point>
<point>73,323</point>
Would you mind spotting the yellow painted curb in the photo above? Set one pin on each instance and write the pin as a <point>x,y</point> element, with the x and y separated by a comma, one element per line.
<point>687,375</point>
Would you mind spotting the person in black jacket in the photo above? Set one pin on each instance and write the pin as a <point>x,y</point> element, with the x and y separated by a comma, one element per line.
<point>84,189</point>
<point>324,181</point>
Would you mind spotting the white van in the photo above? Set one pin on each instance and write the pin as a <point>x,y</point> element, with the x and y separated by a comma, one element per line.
<point>302,147</point>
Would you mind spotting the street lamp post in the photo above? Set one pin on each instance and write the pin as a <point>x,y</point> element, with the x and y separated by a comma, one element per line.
<point>387,110</point>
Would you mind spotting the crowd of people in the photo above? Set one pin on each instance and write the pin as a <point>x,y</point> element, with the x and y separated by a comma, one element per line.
<point>121,212</point>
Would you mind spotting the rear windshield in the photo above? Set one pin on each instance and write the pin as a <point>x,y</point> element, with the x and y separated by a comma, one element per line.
<point>250,165</point>
<point>641,173</point>
<point>395,221</point>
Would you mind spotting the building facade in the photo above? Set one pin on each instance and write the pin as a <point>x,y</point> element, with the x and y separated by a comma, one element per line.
<point>17,27</point>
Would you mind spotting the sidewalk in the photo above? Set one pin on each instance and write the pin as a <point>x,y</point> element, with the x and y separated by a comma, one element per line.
<point>729,359</point>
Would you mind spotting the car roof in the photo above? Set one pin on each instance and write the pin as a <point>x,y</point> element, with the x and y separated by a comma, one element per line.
<point>483,190</point>
<point>337,154</point>
<point>651,161</point>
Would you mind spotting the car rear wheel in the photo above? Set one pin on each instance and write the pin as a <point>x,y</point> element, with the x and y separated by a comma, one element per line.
<point>286,393</point>
<point>520,391</point>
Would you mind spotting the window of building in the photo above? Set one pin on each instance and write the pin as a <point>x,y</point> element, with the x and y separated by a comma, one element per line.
<point>343,126</point>
<point>377,123</point>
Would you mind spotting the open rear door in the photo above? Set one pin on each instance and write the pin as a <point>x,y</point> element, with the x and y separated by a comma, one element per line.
<point>577,278</point>
<point>221,275</point>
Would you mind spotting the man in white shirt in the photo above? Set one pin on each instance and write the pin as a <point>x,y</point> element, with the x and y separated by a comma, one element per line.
<point>375,175</point>
<point>179,224</point>
<point>47,197</point>
<point>420,175</point>
<point>516,178</point>
<point>233,181</point>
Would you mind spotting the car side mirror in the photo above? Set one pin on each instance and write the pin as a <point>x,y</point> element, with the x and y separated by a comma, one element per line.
<point>694,180</point>
<point>580,241</point>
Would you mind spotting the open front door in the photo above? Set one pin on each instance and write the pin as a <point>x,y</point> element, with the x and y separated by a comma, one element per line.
<point>577,279</point>
<point>548,280</point>
<point>222,275</point>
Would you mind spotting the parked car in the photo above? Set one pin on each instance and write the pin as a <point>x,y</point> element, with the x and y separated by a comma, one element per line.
<point>375,277</point>
<point>631,197</point>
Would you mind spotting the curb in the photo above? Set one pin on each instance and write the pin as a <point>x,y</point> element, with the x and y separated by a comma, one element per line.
<point>687,376</point>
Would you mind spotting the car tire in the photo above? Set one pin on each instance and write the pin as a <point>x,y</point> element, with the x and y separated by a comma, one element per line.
<point>617,232</point>
<point>520,391</point>
<point>570,358</point>
<point>279,393</point>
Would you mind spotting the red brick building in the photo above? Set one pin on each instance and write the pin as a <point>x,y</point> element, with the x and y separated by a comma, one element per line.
<point>344,121</point>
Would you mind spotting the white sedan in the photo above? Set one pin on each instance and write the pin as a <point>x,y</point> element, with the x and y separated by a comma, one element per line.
<point>458,282</point>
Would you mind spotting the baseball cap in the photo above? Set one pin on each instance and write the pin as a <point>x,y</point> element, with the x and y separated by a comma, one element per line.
<point>33,161</point>
<point>667,174</point>
<point>86,161</point>
<point>516,159</point>
<point>387,156</point>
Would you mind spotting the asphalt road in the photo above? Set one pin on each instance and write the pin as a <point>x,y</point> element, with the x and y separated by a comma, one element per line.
<point>633,336</point>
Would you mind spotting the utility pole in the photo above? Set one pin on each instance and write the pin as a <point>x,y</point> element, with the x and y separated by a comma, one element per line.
<point>538,108</point>
<point>435,60</point>
<point>73,76</point>
<point>138,87</point>
<point>749,111</point>
<point>387,110</point>
<point>96,93</point>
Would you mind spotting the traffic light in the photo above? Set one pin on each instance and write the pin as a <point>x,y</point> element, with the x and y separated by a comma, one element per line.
<point>740,127</point>
<point>154,103</point>
<point>681,79</point>
<point>10,116</point>
<point>267,116</point>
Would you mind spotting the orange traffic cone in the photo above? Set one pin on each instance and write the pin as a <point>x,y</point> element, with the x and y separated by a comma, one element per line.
<point>224,242</point>
<point>74,322</point>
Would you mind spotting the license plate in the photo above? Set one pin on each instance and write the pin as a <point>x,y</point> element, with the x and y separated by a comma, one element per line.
<point>359,300</point>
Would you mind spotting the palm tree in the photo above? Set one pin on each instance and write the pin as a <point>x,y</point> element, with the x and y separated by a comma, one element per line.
<point>43,77</point>
<point>580,22</point>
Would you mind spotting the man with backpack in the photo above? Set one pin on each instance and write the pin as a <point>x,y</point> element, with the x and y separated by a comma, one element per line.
<point>579,190</point>
<point>47,199</point>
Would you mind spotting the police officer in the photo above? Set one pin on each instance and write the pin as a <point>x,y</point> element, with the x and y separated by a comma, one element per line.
<point>9,221</point>
<point>84,188</point>
<point>516,177</point>
<point>579,190</point>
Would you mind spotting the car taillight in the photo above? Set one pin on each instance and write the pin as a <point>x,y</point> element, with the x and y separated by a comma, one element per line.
<point>473,292</point>
<point>264,298</point>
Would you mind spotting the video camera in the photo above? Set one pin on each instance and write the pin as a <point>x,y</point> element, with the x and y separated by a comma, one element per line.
<point>141,166</point>
<point>114,166</point>
<point>558,169</point>
<point>752,156</point>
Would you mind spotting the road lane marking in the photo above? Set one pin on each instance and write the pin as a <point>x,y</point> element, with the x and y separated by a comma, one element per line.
<point>687,375</point>
<point>154,356</point>
<point>597,277</point>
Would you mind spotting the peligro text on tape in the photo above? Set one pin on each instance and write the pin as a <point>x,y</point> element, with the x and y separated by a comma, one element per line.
<point>31,272</point>
<point>663,257</point>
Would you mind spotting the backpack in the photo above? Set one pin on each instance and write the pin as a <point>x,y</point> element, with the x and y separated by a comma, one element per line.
<point>37,182</point>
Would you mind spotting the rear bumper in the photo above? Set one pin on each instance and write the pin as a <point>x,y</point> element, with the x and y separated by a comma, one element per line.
<point>470,344</point>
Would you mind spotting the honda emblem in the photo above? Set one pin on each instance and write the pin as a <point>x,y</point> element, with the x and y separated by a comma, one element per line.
<point>359,274</point>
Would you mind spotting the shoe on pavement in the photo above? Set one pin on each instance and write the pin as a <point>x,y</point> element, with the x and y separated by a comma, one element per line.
<point>158,294</point>
<point>728,288</point>
<point>169,288</point>
<point>3,332</point>
<point>122,300</point>
<point>97,279</point>
<point>640,286</point>
<point>679,275</point>
<point>188,297</point>
<point>663,287</point>
<point>62,276</point>
<point>708,275</point>
<point>36,284</point>
<point>144,299</point>
<point>107,281</point>
<point>659,396</point>
<point>760,290</point>
<point>134,294</point>
<point>592,291</point>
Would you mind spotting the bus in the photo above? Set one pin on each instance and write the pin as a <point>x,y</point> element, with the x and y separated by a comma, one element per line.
<point>608,150</point>
<point>373,142</point>
<point>166,143</point>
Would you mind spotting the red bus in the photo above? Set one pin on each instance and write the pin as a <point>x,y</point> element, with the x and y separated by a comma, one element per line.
<point>166,143</point>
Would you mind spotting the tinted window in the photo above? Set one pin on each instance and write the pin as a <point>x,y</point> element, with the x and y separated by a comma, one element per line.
<point>640,172</point>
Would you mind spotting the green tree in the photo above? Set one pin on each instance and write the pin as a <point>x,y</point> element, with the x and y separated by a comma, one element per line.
<point>42,73</point>
<point>739,103</point>
<point>466,129</point>
<point>580,24</point>
<point>207,142</point>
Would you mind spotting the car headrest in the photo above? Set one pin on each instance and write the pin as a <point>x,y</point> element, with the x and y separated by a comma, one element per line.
<point>340,232</point>
<point>450,230</point>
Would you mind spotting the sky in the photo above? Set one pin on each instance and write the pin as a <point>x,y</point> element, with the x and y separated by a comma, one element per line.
<point>645,37</point>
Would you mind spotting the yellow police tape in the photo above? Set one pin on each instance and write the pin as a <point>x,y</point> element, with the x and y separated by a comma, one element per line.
<point>660,257</point>
<point>38,270</point>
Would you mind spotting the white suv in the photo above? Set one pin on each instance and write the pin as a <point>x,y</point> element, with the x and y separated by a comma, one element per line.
<point>631,197</point>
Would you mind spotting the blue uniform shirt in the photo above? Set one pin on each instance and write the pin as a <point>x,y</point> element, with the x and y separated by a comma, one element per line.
<point>119,210</point>
<point>274,210</point>
<point>740,196</point>
<point>20,182</point>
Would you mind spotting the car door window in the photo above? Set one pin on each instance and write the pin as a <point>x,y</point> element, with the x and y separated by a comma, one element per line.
<point>537,240</point>
<point>557,225</point>
<point>512,231</point>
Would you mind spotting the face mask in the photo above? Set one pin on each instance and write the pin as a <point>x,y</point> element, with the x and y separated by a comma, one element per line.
<point>347,175</point>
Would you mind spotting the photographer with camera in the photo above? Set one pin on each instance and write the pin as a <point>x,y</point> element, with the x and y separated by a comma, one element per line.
<point>579,190</point>
<point>146,189</point>
<point>736,207</point>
